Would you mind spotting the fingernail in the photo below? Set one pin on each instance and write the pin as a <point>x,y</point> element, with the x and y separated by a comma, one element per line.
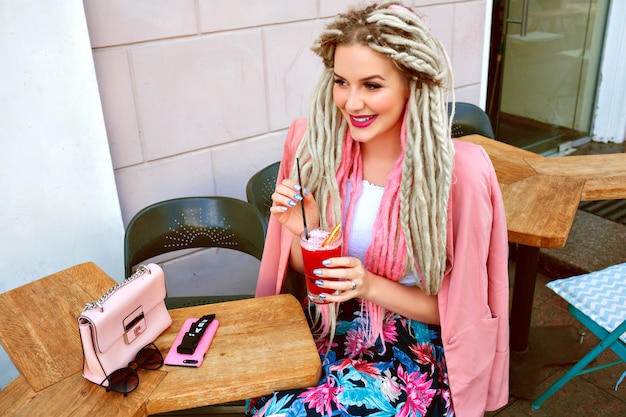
<point>305,191</point>
<point>297,197</point>
<point>319,282</point>
<point>322,296</point>
<point>317,271</point>
<point>326,262</point>
<point>283,208</point>
<point>296,187</point>
<point>291,203</point>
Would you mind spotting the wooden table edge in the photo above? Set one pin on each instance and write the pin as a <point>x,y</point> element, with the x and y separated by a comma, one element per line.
<point>187,400</point>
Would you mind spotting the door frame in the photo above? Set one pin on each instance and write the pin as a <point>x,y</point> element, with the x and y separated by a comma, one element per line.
<point>608,120</point>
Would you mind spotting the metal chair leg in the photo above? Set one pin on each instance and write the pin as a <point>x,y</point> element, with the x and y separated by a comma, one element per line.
<point>579,368</point>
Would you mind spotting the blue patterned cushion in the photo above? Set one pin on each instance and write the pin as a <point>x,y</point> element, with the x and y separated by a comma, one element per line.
<point>601,295</point>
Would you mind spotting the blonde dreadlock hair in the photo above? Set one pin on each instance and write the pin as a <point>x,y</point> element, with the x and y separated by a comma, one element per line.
<point>410,233</point>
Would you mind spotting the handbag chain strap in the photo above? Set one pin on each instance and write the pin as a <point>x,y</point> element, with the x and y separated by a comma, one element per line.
<point>98,303</point>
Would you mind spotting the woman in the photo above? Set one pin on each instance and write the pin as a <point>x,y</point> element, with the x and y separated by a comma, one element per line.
<point>419,324</point>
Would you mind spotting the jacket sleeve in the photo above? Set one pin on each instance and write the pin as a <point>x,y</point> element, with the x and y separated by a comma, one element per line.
<point>473,298</point>
<point>497,270</point>
<point>275,260</point>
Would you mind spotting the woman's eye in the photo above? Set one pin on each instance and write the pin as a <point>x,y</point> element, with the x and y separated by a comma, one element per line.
<point>339,81</point>
<point>372,86</point>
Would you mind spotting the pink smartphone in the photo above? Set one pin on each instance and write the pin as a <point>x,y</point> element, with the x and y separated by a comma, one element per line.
<point>195,359</point>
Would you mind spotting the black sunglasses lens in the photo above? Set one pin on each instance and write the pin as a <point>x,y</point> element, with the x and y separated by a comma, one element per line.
<point>123,380</point>
<point>149,358</point>
<point>126,380</point>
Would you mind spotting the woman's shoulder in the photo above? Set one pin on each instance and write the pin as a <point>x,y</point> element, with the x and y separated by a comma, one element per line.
<point>473,170</point>
<point>471,158</point>
<point>296,131</point>
<point>298,127</point>
<point>299,123</point>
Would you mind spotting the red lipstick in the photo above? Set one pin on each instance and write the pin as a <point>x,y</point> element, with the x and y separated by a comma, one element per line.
<point>362,121</point>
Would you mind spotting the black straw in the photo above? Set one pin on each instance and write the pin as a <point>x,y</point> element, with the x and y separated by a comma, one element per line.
<point>306,231</point>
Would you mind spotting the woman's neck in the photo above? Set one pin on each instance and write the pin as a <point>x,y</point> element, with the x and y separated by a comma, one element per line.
<point>379,158</point>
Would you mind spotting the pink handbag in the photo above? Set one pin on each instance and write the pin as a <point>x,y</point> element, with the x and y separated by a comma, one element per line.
<point>128,317</point>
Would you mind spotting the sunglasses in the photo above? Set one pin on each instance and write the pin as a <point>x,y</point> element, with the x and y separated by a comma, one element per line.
<point>125,380</point>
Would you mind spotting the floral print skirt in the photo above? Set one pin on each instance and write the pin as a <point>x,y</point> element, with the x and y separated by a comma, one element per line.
<point>404,377</point>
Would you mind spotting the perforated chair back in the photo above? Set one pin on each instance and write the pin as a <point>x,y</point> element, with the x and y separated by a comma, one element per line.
<point>598,301</point>
<point>260,188</point>
<point>194,222</point>
<point>470,119</point>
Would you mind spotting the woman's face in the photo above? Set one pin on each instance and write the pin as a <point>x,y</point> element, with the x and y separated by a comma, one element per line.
<point>370,92</point>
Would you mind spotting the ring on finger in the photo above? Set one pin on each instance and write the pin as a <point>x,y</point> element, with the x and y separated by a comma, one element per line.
<point>352,285</point>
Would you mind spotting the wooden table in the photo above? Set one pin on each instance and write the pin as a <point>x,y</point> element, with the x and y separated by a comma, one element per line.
<point>262,345</point>
<point>541,197</point>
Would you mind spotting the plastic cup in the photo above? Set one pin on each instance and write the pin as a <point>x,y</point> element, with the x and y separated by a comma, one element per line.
<point>313,254</point>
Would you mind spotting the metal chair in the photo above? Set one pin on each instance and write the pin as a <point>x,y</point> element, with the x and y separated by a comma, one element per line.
<point>194,222</point>
<point>260,188</point>
<point>469,119</point>
<point>598,301</point>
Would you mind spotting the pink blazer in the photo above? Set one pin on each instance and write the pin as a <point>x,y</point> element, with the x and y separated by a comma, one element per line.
<point>474,294</point>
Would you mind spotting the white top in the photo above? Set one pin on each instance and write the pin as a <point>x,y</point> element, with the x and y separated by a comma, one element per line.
<point>365,211</point>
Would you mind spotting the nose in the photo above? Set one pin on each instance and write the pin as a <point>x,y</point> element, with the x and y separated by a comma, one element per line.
<point>354,102</point>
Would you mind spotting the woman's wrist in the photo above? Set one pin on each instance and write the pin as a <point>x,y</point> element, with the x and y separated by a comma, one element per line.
<point>409,301</point>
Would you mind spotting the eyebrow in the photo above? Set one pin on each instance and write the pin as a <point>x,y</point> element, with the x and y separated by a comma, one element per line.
<point>370,78</point>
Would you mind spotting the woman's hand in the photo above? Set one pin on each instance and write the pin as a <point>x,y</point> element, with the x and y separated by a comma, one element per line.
<point>345,274</point>
<point>350,277</point>
<point>286,207</point>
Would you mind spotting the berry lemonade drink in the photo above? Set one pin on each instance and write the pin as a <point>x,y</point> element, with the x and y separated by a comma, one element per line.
<point>313,253</point>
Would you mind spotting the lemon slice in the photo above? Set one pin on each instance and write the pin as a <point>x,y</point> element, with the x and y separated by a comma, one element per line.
<point>332,235</point>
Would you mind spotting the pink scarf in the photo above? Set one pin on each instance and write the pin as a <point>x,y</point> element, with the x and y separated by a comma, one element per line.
<point>386,255</point>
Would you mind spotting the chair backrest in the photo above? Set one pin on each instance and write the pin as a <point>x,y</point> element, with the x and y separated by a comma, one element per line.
<point>260,188</point>
<point>193,222</point>
<point>470,119</point>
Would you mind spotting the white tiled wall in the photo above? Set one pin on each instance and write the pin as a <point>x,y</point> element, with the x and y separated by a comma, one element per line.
<point>226,15</point>
<point>197,94</point>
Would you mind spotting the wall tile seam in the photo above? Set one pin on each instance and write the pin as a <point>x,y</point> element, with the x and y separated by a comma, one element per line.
<point>201,34</point>
<point>266,80</point>
<point>134,94</point>
<point>198,152</point>
<point>459,86</point>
